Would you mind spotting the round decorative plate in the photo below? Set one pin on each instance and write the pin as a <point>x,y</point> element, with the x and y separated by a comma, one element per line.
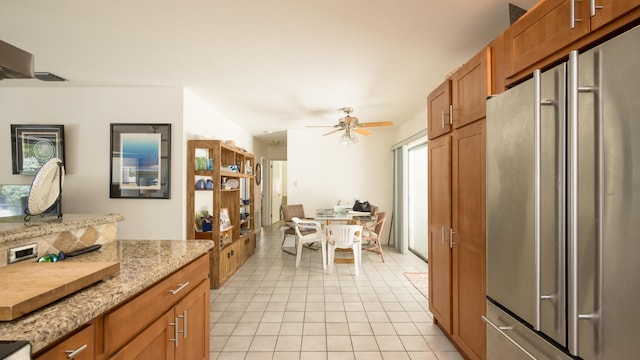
<point>45,187</point>
<point>233,183</point>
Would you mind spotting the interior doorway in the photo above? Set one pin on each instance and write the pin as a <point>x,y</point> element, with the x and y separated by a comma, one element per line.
<point>274,193</point>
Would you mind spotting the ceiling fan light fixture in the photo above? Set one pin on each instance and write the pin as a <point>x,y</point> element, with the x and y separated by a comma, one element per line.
<point>348,138</point>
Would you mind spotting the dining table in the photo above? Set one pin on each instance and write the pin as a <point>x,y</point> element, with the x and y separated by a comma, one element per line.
<point>349,217</point>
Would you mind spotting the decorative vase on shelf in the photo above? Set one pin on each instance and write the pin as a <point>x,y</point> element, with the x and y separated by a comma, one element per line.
<point>200,184</point>
<point>209,184</point>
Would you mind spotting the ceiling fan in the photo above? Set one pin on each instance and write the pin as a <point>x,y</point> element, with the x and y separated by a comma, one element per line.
<point>350,124</point>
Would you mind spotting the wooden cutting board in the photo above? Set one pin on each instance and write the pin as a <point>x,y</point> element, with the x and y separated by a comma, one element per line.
<point>27,286</point>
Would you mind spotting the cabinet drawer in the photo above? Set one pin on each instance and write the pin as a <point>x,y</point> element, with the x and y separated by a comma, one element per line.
<point>124,323</point>
<point>81,345</point>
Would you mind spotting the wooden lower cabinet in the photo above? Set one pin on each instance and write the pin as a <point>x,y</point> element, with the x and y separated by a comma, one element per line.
<point>79,346</point>
<point>468,244</point>
<point>457,275</point>
<point>175,335</point>
<point>155,342</point>
<point>439,224</point>
<point>169,320</point>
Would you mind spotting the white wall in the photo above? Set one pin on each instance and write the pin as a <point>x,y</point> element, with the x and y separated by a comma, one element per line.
<point>411,127</point>
<point>321,171</point>
<point>86,114</point>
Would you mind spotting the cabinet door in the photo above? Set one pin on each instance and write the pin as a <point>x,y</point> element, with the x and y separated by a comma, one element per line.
<point>609,10</point>
<point>438,103</point>
<point>470,86</point>
<point>156,341</point>
<point>80,346</point>
<point>193,319</point>
<point>546,28</point>
<point>439,224</point>
<point>467,238</point>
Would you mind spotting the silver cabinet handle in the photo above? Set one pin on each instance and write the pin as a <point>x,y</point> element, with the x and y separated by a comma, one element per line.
<point>595,7</point>
<point>442,235</point>
<point>442,119</point>
<point>451,243</point>
<point>501,330</point>
<point>184,324</point>
<point>175,331</point>
<point>180,287</point>
<point>451,114</point>
<point>573,14</point>
<point>72,353</point>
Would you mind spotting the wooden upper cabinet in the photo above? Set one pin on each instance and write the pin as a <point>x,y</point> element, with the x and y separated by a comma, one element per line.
<point>544,36</point>
<point>439,103</point>
<point>609,10</point>
<point>500,62</point>
<point>470,86</point>
<point>546,28</point>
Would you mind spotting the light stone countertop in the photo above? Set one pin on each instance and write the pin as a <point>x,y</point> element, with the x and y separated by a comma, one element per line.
<point>15,228</point>
<point>142,263</point>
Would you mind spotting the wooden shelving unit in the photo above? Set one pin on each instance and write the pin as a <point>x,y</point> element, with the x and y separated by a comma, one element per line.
<point>230,170</point>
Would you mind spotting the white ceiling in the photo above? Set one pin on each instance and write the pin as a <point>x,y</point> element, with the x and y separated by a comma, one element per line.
<point>268,65</point>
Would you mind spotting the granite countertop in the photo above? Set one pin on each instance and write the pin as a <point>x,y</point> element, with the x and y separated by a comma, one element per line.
<point>15,228</point>
<point>142,263</point>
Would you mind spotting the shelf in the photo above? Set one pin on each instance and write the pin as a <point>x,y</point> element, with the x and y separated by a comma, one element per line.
<point>236,189</point>
<point>235,174</point>
<point>200,235</point>
<point>227,256</point>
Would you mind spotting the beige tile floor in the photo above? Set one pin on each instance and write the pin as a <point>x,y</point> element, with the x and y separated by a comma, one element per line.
<point>271,310</point>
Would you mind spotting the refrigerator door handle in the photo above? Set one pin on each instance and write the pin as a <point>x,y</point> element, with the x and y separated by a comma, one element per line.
<point>502,331</point>
<point>537,119</point>
<point>573,306</point>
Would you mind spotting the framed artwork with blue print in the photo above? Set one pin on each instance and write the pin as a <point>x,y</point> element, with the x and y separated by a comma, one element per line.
<point>140,161</point>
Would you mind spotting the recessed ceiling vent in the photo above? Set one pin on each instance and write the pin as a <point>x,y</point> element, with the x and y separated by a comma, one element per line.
<point>15,63</point>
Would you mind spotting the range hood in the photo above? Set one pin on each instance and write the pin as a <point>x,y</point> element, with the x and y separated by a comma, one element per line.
<point>15,63</point>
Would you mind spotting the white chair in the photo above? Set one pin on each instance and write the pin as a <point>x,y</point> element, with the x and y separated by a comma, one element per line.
<point>308,231</point>
<point>344,237</point>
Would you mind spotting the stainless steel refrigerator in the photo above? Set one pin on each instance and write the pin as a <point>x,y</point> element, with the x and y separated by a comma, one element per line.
<point>563,209</point>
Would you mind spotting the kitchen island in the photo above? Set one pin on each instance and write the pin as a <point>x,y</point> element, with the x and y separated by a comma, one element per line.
<point>157,280</point>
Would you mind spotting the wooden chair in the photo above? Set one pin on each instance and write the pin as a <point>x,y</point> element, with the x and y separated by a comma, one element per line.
<point>373,233</point>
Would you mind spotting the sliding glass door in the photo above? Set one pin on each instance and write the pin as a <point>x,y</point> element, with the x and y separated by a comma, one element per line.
<point>417,199</point>
<point>410,196</point>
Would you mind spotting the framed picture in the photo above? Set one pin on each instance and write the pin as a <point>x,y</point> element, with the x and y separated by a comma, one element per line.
<point>34,145</point>
<point>140,161</point>
<point>225,222</point>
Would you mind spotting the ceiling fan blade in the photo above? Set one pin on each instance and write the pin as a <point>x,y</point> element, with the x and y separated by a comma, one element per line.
<point>373,124</point>
<point>325,126</point>
<point>363,132</point>
<point>331,132</point>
